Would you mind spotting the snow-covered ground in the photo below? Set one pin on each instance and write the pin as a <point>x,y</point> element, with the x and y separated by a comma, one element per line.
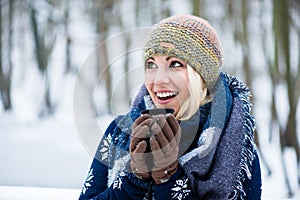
<point>37,193</point>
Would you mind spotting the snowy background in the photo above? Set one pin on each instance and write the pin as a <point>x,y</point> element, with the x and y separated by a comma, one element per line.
<point>48,157</point>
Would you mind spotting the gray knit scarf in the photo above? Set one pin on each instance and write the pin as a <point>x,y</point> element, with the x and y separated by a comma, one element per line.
<point>225,149</point>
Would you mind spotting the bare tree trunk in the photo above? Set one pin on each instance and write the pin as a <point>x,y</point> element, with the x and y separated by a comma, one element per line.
<point>126,65</point>
<point>196,6</point>
<point>5,76</point>
<point>103,65</point>
<point>42,54</point>
<point>10,38</point>
<point>2,82</point>
<point>288,134</point>
<point>166,12</point>
<point>68,38</point>
<point>127,41</point>
<point>244,40</point>
<point>137,12</point>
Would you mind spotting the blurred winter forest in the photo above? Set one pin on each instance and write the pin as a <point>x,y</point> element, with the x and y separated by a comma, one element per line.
<point>45,44</point>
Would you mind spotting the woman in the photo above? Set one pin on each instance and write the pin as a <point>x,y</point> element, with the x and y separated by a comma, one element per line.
<point>204,149</point>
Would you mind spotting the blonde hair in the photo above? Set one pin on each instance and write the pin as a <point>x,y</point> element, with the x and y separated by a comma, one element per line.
<point>198,95</point>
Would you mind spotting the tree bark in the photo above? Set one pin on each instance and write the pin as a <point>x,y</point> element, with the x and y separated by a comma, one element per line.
<point>5,76</point>
<point>103,65</point>
<point>42,55</point>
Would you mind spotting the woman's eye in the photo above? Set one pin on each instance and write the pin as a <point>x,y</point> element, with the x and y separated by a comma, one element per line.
<point>150,65</point>
<point>175,64</point>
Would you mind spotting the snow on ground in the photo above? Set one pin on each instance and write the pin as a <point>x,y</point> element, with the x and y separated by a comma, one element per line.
<point>41,153</point>
<point>37,193</point>
<point>46,154</point>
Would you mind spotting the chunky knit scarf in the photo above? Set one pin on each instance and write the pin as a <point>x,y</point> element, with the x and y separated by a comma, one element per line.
<point>225,149</point>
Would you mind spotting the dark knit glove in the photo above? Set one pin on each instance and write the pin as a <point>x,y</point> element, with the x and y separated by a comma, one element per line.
<point>138,147</point>
<point>164,144</point>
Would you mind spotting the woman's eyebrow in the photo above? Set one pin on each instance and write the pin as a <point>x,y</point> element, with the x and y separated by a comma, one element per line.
<point>168,58</point>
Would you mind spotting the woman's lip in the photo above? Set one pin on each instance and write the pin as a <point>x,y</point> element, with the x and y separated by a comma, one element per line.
<point>162,91</point>
<point>166,101</point>
<point>162,102</point>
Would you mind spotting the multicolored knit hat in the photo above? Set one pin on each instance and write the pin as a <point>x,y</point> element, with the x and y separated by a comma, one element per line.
<point>191,39</point>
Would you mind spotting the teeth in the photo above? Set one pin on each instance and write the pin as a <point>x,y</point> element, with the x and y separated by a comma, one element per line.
<point>166,94</point>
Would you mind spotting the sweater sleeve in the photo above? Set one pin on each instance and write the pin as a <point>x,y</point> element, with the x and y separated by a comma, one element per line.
<point>124,186</point>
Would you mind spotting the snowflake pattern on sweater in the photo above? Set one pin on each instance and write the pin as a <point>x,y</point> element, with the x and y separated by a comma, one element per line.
<point>104,149</point>
<point>88,181</point>
<point>180,189</point>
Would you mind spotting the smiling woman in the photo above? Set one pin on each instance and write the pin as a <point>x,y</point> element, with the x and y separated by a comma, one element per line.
<point>204,149</point>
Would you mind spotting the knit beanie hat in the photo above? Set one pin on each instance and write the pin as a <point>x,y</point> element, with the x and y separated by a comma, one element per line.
<point>191,39</point>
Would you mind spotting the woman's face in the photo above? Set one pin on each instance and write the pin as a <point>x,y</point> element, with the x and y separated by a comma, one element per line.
<point>166,80</point>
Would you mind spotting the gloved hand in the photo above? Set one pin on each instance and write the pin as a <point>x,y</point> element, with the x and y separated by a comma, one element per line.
<point>139,157</point>
<point>164,144</point>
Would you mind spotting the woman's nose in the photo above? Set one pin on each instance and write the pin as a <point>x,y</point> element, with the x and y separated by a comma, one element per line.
<point>161,76</point>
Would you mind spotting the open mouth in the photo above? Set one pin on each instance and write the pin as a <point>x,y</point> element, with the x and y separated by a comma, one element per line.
<point>166,95</point>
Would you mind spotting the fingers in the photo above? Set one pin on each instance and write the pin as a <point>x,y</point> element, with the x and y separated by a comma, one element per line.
<point>138,154</point>
<point>173,123</point>
<point>159,136</point>
<point>155,148</point>
<point>165,130</point>
<point>141,147</point>
<point>141,120</point>
<point>138,165</point>
<point>162,157</point>
<point>138,136</point>
<point>140,130</point>
<point>160,141</point>
<point>154,144</point>
<point>163,144</point>
<point>136,128</point>
<point>170,127</point>
<point>138,146</point>
<point>162,122</point>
